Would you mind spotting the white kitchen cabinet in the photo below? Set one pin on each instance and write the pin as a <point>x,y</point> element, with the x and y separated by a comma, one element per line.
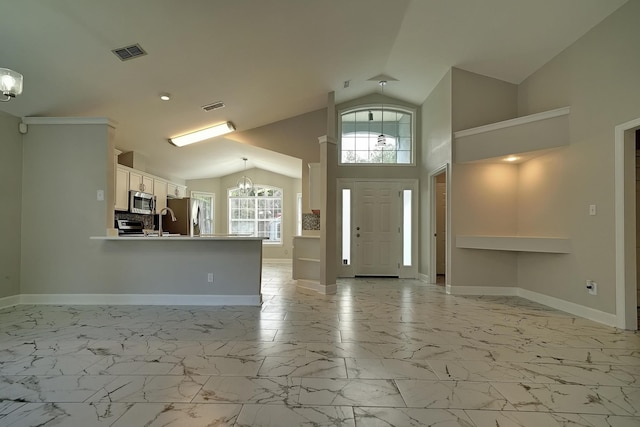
<point>135,180</point>
<point>160,191</point>
<point>175,191</point>
<point>140,182</point>
<point>122,189</point>
<point>172,190</point>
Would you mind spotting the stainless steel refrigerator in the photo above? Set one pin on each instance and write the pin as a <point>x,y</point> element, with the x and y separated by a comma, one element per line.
<point>187,213</point>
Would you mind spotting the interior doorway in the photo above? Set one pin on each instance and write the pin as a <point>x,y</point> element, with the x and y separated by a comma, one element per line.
<point>439,185</point>
<point>627,224</point>
<point>441,228</point>
<point>637,174</point>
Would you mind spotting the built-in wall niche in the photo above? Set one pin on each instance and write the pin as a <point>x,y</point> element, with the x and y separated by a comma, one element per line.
<point>506,178</point>
<point>521,138</point>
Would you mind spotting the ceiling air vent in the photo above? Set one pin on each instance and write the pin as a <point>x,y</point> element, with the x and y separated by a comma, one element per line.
<point>129,52</point>
<point>213,106</point>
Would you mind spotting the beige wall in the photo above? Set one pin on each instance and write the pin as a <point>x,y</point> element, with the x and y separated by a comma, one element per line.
<point>64,166</point>
<point>542,205</point>
<point>483,198</point>
<point>290,186</point>
<point>11,211</point>
<point>598,77</point>
<point>295,137</point>
<point>483,202</point>
<point>479,100</point>
<point>436,150</point>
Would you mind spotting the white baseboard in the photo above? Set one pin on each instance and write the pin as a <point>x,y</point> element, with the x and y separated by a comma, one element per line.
<point>313,285</point>
<point>139,299</point>
<point>570,307</point>
<point>277,260</point>
<point>553,302</point>
<point>10,301</point>
<point>508,291</point>
<point>423,278</point>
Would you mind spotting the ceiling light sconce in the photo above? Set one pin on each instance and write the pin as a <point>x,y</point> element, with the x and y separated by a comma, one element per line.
<point>165,96</point>
<point>10,84</point>
<point>382,140</point>
<point>201,135</point>
<point>245,184</point>
<point>511,159</point>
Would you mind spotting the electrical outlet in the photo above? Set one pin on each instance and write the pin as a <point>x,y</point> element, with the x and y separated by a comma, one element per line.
<point>592,287</point>
<point>210,277</point>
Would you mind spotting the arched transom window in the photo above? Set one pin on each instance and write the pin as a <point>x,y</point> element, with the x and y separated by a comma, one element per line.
<point>378,134</point>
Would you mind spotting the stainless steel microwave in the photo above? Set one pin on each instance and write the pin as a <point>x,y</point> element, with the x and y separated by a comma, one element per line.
<point>142,203</point>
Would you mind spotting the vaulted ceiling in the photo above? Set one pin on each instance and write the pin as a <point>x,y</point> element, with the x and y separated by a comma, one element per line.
<point>267,60</point>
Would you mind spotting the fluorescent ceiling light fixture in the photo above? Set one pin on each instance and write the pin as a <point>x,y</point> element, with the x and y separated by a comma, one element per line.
<point>201,135</point>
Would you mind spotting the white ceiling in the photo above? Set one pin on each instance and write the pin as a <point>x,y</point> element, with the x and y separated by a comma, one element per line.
<point>267,60</point>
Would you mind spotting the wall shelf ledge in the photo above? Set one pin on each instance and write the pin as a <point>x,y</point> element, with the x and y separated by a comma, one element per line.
<point>556,245</point>
<point>527,134</point>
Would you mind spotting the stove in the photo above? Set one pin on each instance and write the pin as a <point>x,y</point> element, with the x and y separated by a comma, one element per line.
<point>129,227</point>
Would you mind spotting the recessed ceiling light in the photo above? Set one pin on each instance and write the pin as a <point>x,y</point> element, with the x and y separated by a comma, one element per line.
<point>165,96</point>
<point>511,159</point>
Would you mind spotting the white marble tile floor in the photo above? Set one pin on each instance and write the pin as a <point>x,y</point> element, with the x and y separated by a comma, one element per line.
<point>381,352</point>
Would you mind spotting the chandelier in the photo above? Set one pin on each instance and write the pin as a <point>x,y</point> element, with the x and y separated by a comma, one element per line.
<point>245,184</point>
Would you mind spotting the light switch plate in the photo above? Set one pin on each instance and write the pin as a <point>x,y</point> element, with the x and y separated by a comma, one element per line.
<point>100,195</point>
<point>592,210</point>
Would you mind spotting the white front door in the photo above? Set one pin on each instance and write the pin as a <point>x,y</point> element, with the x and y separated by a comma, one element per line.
<point>377,228</point>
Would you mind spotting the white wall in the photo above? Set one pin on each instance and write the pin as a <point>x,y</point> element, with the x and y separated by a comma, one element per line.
<point>598,77</point>
<point>11,210</point>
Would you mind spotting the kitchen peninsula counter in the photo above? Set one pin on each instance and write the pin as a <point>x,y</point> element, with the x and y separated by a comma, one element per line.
<point>178,270</point>
<point>224,237</point>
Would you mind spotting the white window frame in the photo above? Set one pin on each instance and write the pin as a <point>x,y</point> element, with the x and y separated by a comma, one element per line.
<point>196,195</point>
<point>256,219</point>
<point>377,107</point>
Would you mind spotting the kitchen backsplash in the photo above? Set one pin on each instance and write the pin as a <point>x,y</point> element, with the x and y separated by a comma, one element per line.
<point>310,221</point>
<point>146,219</point>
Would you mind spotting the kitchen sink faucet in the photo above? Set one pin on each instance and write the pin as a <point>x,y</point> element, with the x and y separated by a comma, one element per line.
<point>163,210</point>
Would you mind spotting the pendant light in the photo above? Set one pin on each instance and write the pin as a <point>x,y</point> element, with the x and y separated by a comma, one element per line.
<point>245,184</point>
<point>382,140</point>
